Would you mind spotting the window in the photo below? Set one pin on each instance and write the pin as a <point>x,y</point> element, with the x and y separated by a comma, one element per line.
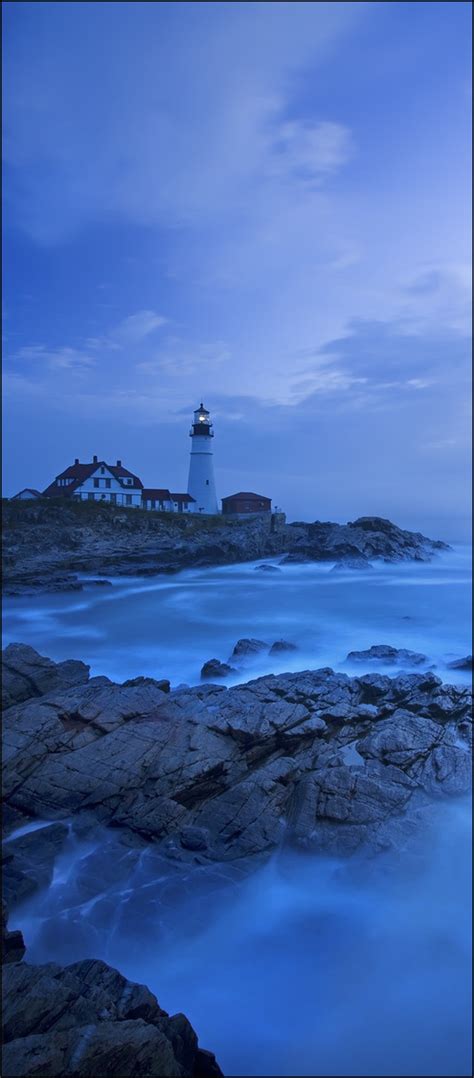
<point>90,497</point>
<point>128,499</point>
<point>153,503</point>
<point>207,482</point>
<point>96,482</point>
<point>103,497</point>
<point>113,499</point>
<point>108,482</point>
<point>102,471</point>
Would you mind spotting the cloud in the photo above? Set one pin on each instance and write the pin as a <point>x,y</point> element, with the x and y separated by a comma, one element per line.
<point>54,359</point>
<point>130,331</point>
<point>161,146</point>
<point>310,151</point>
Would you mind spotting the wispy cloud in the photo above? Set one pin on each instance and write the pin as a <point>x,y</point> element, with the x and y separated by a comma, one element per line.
<point>54,359</point>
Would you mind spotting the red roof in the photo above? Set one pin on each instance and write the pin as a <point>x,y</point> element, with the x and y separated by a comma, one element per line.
<point>153,493</point>
<point>182,498</point>
<point>80,472</point>
<point>247,496</point>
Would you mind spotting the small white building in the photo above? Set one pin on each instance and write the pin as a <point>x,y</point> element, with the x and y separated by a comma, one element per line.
<point>157,498</point>
<point>97,481</point>
<point>183,503</point>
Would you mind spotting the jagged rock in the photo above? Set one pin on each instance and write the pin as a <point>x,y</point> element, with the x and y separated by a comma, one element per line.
<point>87,1019</point>
<point>282,645</point>
<point>163,684</point>
<point>214,668</point>
<point>248,648</point>
<point>387,654</point>
<point>461,664</point>
<point>233,762</point>
<point>25,674</point>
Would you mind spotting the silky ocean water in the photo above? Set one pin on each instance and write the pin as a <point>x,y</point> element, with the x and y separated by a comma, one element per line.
<point>306,967</point>
<point>169,626</point>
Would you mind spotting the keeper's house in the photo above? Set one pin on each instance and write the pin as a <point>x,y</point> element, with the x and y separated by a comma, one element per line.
<point>102,482</point>
<point>97,481</point>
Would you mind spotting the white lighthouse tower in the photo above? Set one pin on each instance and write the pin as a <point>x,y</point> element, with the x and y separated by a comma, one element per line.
<point>201,483</point>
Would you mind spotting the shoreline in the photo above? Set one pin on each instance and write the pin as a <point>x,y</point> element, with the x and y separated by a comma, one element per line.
<point>47,547</point>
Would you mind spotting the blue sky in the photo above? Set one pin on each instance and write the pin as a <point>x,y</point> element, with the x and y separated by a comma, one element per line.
<point>264,204</point>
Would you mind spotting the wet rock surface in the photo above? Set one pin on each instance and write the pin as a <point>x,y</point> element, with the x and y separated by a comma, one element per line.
<point>461,664</point>
<point>385,653</point>
<point>48,545</point>
<point>183,793</point>
<point>316,758</point>
<point>215,668</point>
<point>87,1019</point>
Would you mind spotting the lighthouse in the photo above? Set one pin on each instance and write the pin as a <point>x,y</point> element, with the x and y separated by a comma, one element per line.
<point>201,483</point>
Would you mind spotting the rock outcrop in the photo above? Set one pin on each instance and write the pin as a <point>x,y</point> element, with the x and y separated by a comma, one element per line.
<point>214,668</point>
<point>87,1019</point>
<point>461,664</point>
<point>315,758</point>
<point>218,779</point>
<point>47,544</point>
<point>385,653</point>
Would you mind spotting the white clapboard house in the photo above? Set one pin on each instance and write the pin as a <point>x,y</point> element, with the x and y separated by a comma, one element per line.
<point>99,481</point>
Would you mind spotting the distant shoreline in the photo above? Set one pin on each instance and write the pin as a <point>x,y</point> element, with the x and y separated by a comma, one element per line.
<point>46,544</point>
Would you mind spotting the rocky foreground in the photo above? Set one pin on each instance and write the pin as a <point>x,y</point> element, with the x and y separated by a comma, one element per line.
<point>87,1020</point>
<point>317,758</point>
<point>210,780</point>
<point>46,545</point>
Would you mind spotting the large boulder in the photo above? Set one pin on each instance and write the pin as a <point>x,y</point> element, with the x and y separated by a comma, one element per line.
<point>281,646</point>
<point>248,649</point>
<point>386,654</point>
<point>87,1019</point>
<point>214,668</point>
<point>461,664</point>
<point>25,674</point>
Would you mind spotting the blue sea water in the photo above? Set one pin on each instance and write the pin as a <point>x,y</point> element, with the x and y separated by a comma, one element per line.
<point>305,967</point>
<point>169,626</point>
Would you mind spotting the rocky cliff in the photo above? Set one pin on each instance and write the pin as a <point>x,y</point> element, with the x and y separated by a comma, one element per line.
<point>47,544</point>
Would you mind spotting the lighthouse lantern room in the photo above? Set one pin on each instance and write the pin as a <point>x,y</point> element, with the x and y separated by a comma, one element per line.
<point>201,483</point>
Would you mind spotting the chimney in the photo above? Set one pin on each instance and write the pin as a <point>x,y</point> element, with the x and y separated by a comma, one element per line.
<point>94,460</point>
<point>76,461</point>
<point>119,464</point>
